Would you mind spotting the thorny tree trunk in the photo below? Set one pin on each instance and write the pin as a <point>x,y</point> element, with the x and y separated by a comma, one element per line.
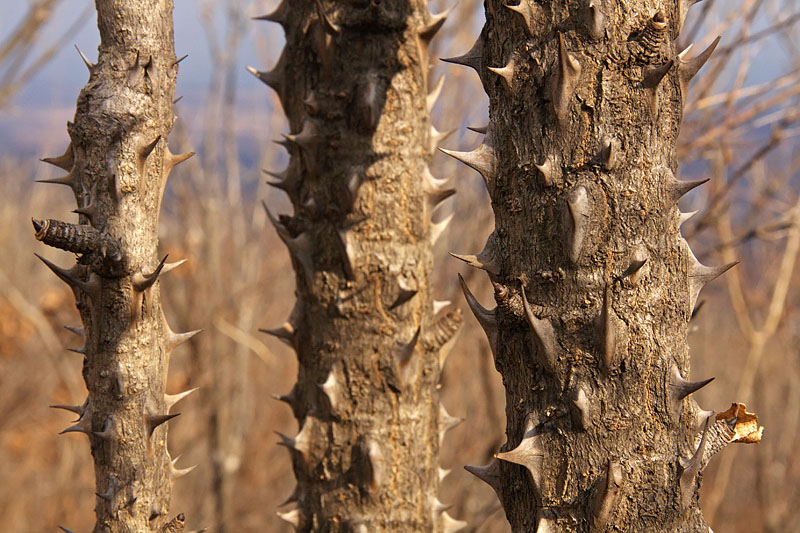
<point>352,80</point>
<point>594,284</point>
<point>118,163</point>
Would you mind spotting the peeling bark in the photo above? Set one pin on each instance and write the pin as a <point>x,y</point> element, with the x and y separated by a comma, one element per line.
<point>585,104</point>
<point>117,165</point>
<point>353,83</point>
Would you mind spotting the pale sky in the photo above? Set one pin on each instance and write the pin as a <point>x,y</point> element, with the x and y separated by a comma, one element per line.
<point>48,100</point>
<point>38,113</point>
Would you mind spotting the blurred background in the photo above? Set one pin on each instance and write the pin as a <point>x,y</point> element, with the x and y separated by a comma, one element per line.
<point>741,129</point>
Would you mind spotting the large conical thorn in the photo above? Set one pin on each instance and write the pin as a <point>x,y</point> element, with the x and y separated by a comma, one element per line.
<point>108,432</point>
<point>275,79</point>
<point>91,288</point>
<point>285,333</point>
<point>653,76</point>
<point>489,474</point>
<point>676,189</point>
<point>171,161</point>
<point>506,72</point>
<point>446,422</point>
<point>403,357</point>
<point>77,409</point>
<point>143,152</point>
<point>428,31</point>
<point>609,152</point>
<point>544,335</point>
<point>153,420</point>
<point>443,521</point>
<point>584,407</point>
<point>550,170</point>
<point>483,160</point>
<point>292,517</point>
<point>68,180</point>
<point>634,271</point>
<point>436,137</point>
<point>525,9</point>
<point>279,15</point>
<point>171,399</point>
<point>83,425</point>
<point>331,387</point>
<point>89,64</point>
<point>528,453</point>
<point>90,212</point>
<point>433,96</point>
<point>595,19</point>
<point>436,192</point>
<point>566,81</point>
<point>376,467</point>
<point>301,443</point>
<point>680,388</point>
<point>485,260</point>
<point>299,247</point>
<point>579,213</point>
<point>471,59</point>
<point>175,472</point>
<point>486,318</point>
<point>700,275</point>
<point>688,478</point>
<point>285,181</point>
<point>171,339</point>
<point>65,161</point>
<point>688,68</point>
<point>142,282</point>
<point>608,496</point>
<point>437,228</point>
<point>607,328</point>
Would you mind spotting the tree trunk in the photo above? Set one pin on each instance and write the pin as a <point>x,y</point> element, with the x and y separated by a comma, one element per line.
<point>353,82</point>
<point>117,164</point>
<point>593,282</point>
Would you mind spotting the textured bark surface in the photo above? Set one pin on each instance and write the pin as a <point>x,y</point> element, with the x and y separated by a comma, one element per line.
<point>117,164</point>
<point>593,282</point>
<point>352,80</point>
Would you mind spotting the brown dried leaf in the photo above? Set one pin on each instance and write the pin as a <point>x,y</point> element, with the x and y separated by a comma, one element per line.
<point>745,425</point>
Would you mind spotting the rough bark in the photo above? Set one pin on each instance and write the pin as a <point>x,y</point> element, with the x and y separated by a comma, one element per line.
<point>353,82</point>
<point>117,164</point>
<point>594,284</point>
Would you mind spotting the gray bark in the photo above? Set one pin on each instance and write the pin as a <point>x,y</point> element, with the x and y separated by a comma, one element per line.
<point>594,284</point>
<point>353,82</point>
<point>118,163</point>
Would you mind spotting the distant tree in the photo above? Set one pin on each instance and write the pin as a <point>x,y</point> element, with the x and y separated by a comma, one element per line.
<point>20,57</point>
<point>369,338</point>
<point>593,282</point>
<point>117,166</point>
